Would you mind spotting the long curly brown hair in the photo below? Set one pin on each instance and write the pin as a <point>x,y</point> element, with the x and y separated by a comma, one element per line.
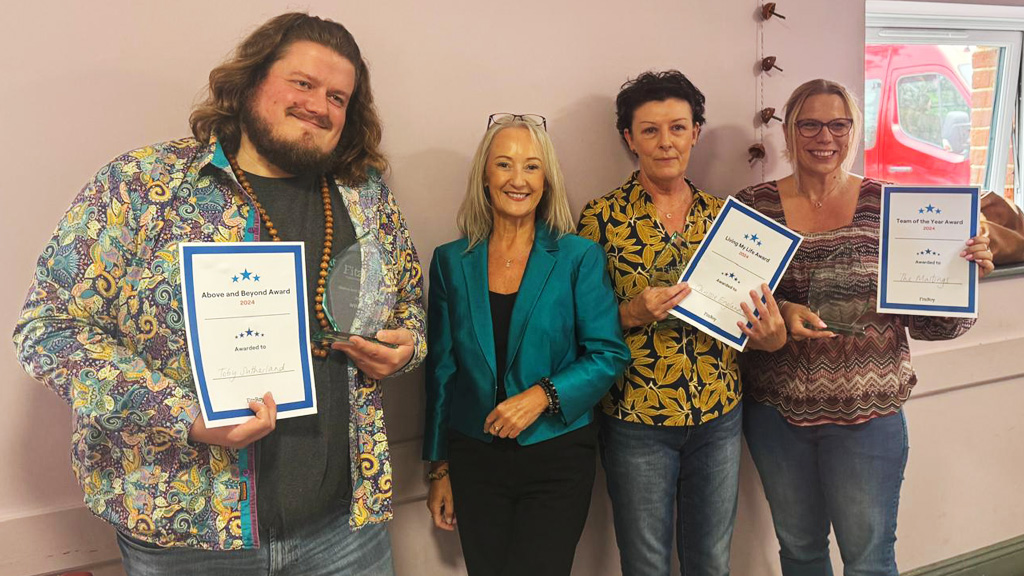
<point>233,83</point>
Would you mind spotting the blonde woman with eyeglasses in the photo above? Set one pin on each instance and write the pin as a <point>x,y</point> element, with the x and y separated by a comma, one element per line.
<point>824,419</point>
<point>523,340</point>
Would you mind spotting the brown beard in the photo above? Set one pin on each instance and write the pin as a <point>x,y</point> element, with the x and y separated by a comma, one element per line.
<point>291,157</point>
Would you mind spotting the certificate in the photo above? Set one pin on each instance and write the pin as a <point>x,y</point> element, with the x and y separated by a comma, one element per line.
<point>923,231</point>
<point>248,333</point>
<point>743,250</point>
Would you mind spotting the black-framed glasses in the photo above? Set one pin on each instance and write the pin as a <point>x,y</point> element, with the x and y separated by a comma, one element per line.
<point>811,128</point>
<point>508,118</point>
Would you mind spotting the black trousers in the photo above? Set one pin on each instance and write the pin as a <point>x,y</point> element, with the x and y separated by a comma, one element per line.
<point>521,509</point>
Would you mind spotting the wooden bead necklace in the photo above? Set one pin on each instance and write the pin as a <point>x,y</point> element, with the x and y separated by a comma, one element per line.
<point>320,349</point>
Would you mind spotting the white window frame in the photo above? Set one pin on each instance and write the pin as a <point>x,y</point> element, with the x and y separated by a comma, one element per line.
<point>901,22</point>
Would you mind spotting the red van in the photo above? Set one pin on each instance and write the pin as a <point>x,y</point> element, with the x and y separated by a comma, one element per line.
<point>917,115</point>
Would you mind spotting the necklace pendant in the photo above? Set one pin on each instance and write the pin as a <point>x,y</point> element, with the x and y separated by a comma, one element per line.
<point>508,263</point>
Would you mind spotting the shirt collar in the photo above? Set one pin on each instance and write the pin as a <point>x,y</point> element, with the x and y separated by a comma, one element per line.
<point>213,157</point>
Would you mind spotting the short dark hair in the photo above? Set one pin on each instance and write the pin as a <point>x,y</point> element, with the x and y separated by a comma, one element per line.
<point>233,83</point>
<point>656,87</point>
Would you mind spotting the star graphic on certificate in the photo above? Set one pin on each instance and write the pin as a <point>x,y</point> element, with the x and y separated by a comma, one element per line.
<point>248,332</point>
<point>256,277</point>
<point>234,278</point>
<point>753,237</point>
<point>930,208</point>
<point>921,211</point>
<point>246,274</point>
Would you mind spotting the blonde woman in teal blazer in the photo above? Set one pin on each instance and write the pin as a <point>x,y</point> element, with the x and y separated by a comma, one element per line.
<point>523,339</point>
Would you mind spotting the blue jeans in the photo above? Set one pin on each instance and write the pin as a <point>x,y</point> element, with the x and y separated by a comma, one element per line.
<point>846,477</point>
<point>328,547</point>
<point>673,478</point>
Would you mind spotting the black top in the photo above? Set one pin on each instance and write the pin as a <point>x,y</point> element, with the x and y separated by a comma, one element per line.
<point>303,466</point>
<point>501,316</point>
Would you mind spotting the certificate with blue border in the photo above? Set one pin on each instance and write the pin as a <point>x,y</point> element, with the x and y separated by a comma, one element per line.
<point>923,229</point>
<point>247,327</point>
<point>743,250</point>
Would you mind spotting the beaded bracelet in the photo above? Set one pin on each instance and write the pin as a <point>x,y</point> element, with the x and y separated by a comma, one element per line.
<point>437,475</point>
<point>554,406</point>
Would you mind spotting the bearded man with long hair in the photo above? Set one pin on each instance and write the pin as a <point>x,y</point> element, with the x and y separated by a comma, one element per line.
<point>285,147</point>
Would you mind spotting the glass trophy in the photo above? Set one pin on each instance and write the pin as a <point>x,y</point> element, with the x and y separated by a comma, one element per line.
<point>666,271</point>
<point>832,296</point>
<point>360,292</point>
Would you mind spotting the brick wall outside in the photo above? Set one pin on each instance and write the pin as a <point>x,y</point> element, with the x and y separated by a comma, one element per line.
<point>985,62</point>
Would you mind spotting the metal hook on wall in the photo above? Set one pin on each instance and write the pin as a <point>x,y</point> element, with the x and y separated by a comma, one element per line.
<point>768,114</point>
<point>768,10</point>
<point>768,62</point>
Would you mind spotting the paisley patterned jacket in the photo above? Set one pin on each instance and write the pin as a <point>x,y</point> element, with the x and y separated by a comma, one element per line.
<point>103,328</point>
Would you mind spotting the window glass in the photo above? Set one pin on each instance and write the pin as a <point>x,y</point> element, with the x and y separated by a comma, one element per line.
<point>966,72</point>
<point>918,52</point>
<point>872,101</point>
<point>930,108</point>
<point>1014,192</point>
<point>938,112</point>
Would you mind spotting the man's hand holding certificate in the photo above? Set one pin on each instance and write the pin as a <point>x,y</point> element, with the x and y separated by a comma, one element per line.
<point>742,252</point>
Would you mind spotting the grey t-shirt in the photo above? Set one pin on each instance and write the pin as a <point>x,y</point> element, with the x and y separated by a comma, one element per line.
<point>303,466</point>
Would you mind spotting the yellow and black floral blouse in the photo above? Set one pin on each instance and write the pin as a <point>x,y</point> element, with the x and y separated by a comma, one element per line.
<point>678,375</point>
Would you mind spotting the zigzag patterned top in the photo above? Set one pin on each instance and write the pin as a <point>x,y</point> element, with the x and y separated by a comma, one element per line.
<point>847,379</point>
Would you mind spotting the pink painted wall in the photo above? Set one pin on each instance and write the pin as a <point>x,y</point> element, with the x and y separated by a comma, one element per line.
<point>85,82</point>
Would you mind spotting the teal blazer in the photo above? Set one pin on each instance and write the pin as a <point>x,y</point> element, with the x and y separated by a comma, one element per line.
<point>564,325</point>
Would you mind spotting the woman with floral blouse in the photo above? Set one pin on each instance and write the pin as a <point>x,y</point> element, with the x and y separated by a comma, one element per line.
<point>671,425</point>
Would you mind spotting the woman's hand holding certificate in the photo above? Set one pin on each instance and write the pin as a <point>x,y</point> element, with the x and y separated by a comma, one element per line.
<point>765,330</point>
<point>652,305</point>
<point>980,252</point>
